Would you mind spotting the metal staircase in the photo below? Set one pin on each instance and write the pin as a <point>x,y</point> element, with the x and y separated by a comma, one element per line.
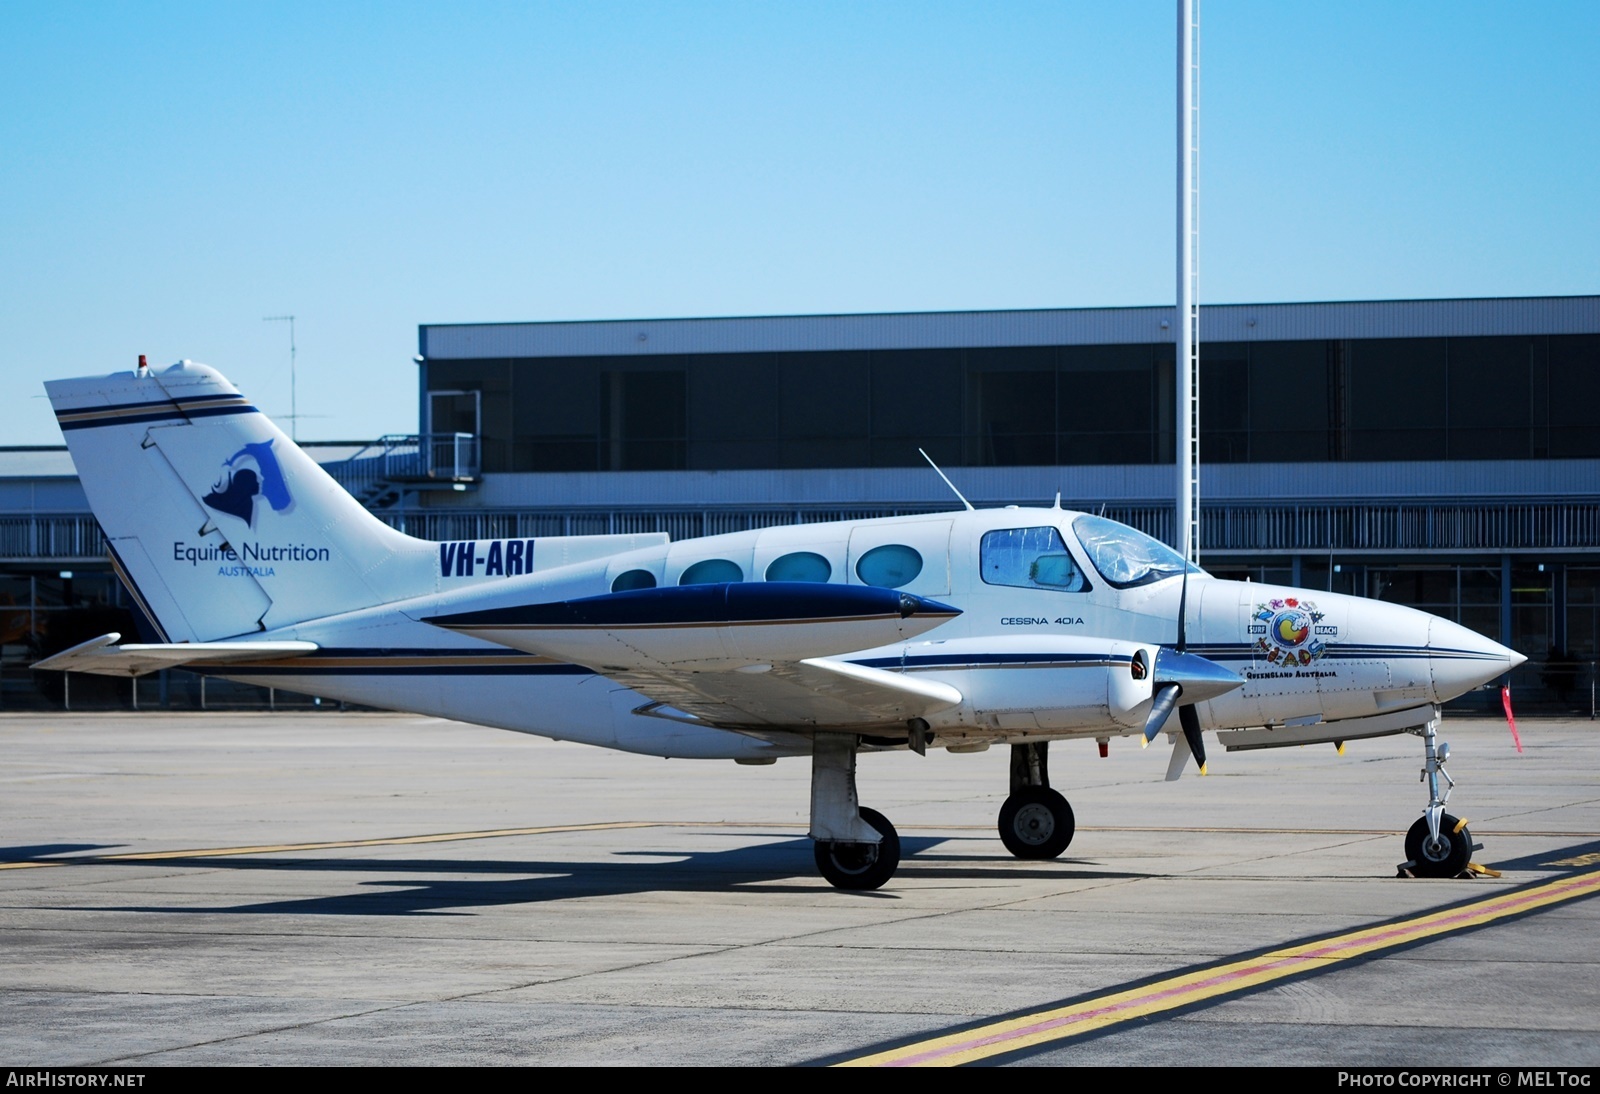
<point>381,475</point>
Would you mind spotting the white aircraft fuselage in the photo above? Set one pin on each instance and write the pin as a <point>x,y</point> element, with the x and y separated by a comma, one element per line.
<point>1029,663</point>
<point>958,630</point>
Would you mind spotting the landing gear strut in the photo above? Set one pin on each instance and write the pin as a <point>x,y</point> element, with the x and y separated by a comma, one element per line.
<point>1438,844</point>
<point>856,848</point>
<point>1035,821</point>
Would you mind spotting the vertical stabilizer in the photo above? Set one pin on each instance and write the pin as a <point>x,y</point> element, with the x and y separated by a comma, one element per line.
<point>217,521</point>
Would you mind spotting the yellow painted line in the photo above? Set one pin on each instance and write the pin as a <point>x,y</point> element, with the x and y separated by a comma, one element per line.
<point>28,865</point>
<point>1188,989</point>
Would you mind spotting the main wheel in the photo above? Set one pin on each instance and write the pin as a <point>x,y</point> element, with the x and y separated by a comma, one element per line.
<point>1448,857</point>
<point>860,866</point>
<point>1036,822</point>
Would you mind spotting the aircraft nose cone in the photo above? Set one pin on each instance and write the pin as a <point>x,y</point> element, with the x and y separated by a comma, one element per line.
<point>1461,659</point>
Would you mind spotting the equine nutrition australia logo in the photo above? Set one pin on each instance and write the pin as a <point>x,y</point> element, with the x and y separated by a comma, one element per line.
<point>249,477</point>
<point>1290,631</point>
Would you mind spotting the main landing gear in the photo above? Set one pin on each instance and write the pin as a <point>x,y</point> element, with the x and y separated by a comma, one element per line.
<point>1035,821</point>
<point>856,848</point>
<point>1438,844</point>
<point>854,865</point>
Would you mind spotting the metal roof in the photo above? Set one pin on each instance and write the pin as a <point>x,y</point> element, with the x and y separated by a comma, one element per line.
<point>968,329</point>
<point>55,462</point>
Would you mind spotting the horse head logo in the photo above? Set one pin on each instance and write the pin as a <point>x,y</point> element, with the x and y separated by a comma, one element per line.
<point>248,474</point>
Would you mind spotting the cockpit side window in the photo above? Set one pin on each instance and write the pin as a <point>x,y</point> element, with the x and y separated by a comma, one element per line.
<point>1029,558</point>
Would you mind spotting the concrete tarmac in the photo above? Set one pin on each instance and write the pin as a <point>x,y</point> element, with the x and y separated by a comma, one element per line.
<point>385,889</point>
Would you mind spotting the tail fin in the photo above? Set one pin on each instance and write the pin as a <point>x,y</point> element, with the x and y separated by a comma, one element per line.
<point>218,523</point>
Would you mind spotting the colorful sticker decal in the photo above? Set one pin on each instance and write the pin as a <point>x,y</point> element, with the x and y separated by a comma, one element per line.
<point>1290,631</point>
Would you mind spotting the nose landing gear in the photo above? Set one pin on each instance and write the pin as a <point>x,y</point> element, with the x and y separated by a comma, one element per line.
<point>1438,844</point>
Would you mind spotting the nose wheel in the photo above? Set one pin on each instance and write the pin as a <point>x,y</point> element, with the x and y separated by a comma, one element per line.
<point>1036,823</point>
<point>1443,856</point>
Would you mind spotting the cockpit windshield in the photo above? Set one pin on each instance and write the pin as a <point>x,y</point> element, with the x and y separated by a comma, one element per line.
<point>1126,557</point>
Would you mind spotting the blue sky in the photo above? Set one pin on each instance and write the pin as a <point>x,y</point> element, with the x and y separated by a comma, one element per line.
<point>175,172</point>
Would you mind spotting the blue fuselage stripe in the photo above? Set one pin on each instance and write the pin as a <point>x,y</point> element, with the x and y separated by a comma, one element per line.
<point>244,668</point>
<point>168,413</point>
<point>382,661</point>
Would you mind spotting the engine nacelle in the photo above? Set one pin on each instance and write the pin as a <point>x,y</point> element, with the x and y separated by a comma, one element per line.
<point>1049,682</point>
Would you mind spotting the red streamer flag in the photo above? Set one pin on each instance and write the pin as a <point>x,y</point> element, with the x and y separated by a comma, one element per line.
<point>1511,720</point>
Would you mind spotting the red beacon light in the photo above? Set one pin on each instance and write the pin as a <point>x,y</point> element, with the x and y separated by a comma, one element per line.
<point>144,365</point>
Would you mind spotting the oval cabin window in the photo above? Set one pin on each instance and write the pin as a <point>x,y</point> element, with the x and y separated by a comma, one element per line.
<point>633,579</point>
<point>711,571</point>
<point>800,566</point>
<point>889,566</point>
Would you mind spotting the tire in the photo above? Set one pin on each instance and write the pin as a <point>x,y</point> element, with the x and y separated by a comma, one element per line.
<point>1449,857</point>
<point>860,866</point>
<point>1036,823</point>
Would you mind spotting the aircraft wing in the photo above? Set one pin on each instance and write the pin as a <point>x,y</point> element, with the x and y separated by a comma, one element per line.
<point>740,654</point>
<point>813,693</point>
<point>103,657</point>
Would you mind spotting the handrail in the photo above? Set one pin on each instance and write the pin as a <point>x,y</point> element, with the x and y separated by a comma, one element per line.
<point>1235,528</point>
<point>408,458</point>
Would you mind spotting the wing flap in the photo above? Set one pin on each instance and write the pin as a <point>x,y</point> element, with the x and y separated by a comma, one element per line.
<point>103,657</point>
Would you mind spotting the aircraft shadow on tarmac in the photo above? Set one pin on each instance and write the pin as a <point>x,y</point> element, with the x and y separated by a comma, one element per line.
<point>37,851</point>
<point>768,865</point>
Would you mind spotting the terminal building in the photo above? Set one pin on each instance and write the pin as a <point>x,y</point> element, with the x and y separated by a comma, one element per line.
<point>1438,453</point>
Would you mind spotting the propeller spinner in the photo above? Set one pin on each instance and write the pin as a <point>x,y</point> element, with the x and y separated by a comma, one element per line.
<point>1194,679</point>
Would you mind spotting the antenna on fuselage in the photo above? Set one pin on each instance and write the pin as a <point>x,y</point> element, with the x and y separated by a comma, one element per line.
<point>946,479</point>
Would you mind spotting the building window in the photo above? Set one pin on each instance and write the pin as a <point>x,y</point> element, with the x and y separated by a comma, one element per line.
<point>643,420</point>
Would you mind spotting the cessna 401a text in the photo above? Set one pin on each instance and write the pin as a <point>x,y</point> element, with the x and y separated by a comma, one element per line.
<point>953,630</point>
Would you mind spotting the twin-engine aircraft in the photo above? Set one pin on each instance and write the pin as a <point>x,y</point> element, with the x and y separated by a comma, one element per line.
<point>956,630</point>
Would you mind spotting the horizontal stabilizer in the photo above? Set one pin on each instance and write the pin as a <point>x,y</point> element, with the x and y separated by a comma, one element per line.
<point>104,657</point>
<point>1345,729</point>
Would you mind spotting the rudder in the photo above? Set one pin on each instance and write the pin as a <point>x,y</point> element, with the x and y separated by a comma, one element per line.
<point>217,522</point>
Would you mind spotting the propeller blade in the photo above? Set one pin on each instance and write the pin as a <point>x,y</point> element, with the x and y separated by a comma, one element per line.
<point>1179,760</point>
<point>1166,698</point>
<point>1183,611</point>
<point>1189,718</point>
